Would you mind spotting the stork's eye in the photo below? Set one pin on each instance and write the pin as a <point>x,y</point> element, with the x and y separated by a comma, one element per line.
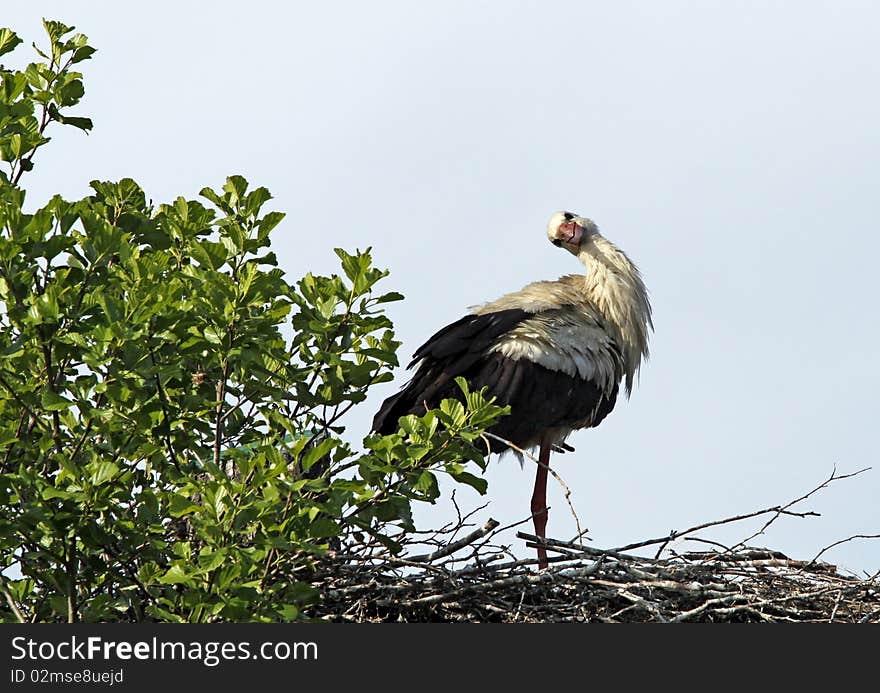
<point>556,242</point>
<point>568,216</point>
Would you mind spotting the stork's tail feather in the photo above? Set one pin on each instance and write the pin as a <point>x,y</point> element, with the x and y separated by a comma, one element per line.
<point>392,409</point>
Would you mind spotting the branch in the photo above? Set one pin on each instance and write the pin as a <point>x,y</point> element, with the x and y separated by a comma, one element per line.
<point>570,546</point>
<point>784,510</point>
<point>842,541</point>
<point>492,585</point>
<point>218,423</point>
<point>163,400</point>
<point>11,600</point>
<point>45,118</point>
<point>21,403</point>
<point>72,569</point>
<point>776,509</point>
<point>456,545</point>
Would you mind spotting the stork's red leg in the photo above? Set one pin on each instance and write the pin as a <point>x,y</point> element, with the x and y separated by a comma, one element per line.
<point>539,500</point>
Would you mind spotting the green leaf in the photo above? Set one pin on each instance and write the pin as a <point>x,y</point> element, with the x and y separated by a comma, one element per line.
<point>269,222</point>
<point>235,187</point>
<point>317,452</point>
<point>14,144</point>
<point>8,40</point>
<point>56,30</point>
<point>54,402</point>
<point>77,122</point>
<point>455,410</point>
<point>389,297</point>
<point>209,254</point>
<point>175,575</point>
<point>214,334</point>
<point>104,472</point>
<point>323,527</point>
<point>256,199</point>
<point>181,505</point>
<point>288,612</point>
<point>71,93</point>
<point>425,482</point>
<point>211,560</point>
<point>50,492</point>
<point>480,484</point>
<point>82,53</point>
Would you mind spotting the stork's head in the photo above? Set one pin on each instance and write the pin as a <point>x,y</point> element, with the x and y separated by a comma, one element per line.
<point>570,231</point>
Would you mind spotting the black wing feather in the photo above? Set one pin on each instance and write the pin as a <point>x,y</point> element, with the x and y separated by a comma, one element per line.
<point>471,335</point>
<point>539,398</point>
<point>451,352</point>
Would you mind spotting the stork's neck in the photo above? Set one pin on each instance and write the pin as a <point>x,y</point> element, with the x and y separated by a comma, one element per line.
<point>614,285</point>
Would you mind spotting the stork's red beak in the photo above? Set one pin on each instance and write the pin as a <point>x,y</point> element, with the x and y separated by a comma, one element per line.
<point>569,233</point>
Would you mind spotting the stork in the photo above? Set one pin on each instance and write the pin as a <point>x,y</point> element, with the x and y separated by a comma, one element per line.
<point>555,351</point>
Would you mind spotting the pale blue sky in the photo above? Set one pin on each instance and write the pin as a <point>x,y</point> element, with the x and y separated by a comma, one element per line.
<point>731,148</point>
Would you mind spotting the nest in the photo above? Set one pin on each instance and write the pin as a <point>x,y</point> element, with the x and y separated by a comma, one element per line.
<point>469,576</point>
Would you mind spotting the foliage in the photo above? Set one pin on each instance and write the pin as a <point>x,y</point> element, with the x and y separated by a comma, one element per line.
<point>171,408</point>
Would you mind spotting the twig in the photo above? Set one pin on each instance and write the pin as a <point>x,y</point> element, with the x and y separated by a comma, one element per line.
<point>523,579</point>
<point>777,509</point>
<point>784,509</point>
<point>842,541</point>
<point>836,606</point>
<point>11,601</point>
<point>455,545</point>
<point>565,489</point>
<point>21,403</point>
<point>218,416</point>
<point>553,544</point>
<point>871,615</point>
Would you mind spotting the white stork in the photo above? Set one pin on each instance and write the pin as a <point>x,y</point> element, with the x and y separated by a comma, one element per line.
<point>555,351</point>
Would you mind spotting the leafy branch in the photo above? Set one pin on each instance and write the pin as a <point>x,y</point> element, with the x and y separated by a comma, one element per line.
<point>171,406</point>
<point>50,86</point>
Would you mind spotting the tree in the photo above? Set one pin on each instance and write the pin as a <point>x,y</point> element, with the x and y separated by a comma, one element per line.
<point>171,407</point>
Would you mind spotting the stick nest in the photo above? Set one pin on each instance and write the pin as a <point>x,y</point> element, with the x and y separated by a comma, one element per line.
<point>468,575</point>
